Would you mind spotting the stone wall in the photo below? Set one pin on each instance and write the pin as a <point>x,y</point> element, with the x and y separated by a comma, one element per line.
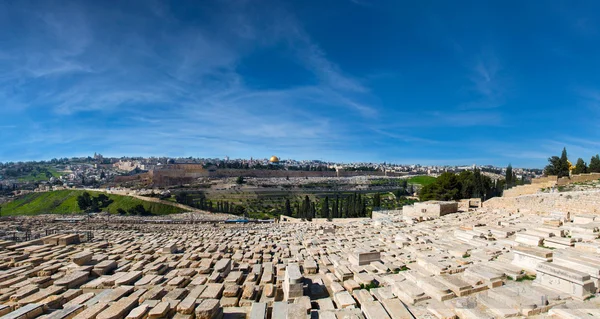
<point>583,202</point>
<point>265,173</point>
<point>580,178</point>
<point>528,189</point>
<point>544,180</point>
<point>138,178</point>
<point>549,182</point>
<point>175,174</point>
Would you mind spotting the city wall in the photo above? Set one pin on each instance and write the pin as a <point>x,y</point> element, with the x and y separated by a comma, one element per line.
<point>265,173</point>
<point>176,174</point>
<point>138,178</point>
<point>580,202</point>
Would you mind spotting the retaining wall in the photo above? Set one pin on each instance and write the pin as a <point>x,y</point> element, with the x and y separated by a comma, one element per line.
<point>582,202</point>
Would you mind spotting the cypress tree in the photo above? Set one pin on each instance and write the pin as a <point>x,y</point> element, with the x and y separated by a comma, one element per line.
<point>288,208</point>
<point>334,211</point>
<point>364,209</point>
<point>306,206</point>
<point>345,213</point>
<point>376,200</point>
<point>509,176</point>
<point>302,210</point>
<point>580,167</point>
<point>564,164</point>
<point>325,208</point>
<point>594,164</point>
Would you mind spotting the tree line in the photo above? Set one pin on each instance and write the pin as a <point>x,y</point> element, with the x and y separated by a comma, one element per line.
<point>215,207</point>
<point>466,184</point>
<point>350,206</point>
<point>560,166</point>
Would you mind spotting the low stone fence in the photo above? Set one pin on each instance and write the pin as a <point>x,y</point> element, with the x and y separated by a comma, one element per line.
<point>549,182</point>
<point>580,178</point>
<point>582,202</point>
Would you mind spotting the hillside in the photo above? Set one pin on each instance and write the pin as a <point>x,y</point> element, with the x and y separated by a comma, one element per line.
<point>65,202</point>
<point>422,180</point>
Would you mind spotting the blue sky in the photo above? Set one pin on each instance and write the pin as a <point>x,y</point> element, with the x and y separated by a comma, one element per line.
<point>430,82</point>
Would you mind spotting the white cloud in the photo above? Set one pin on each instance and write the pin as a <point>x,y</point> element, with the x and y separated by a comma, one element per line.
<point>487,86</point>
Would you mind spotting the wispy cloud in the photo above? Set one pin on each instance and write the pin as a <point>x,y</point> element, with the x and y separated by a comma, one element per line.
<point>174,86</point>
<point>487,87</point>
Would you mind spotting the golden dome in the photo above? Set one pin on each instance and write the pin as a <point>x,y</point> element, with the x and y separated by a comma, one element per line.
<point>274,159</point>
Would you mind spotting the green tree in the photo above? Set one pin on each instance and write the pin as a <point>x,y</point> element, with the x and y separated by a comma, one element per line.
<point>182,198</point>
<point>404,184</point>
<point>121,211</point>
<point>84,201</point>
<point>376,200</point>
<point>138,210</point>
<point>306,207</point>
<point>335,208</point>
<point>594,164</point>
<point>509,176</point>
<point>240,180</point>
<point>553,166</point>
<point>450,186</point>
<point>297,210</point>
<point>558,165</point>
<point>240,211</point>
<point>467,181</point>
<point>580,167</point>
<point>564,164</point>
<point>288,208</point>
<point>325,208</point>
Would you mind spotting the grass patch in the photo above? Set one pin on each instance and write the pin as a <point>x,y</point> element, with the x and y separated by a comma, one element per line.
<point>421,180</point>
<point>369,286</point>
<point>65,202</point>
<point>466,255</point>
<point>509,278</point>
<point>39,175</point>
<point>526,277</point>
<point>403,268</point>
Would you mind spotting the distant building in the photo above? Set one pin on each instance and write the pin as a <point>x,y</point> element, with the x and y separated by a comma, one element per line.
<point>128,165</point>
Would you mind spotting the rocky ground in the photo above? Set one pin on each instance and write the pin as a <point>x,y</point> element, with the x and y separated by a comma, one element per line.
<point>479,264</point>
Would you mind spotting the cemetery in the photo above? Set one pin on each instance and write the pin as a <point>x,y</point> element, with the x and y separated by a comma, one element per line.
<point>432,262</point>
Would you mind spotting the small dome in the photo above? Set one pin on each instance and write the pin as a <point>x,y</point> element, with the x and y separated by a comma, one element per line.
<point>274,159</point>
